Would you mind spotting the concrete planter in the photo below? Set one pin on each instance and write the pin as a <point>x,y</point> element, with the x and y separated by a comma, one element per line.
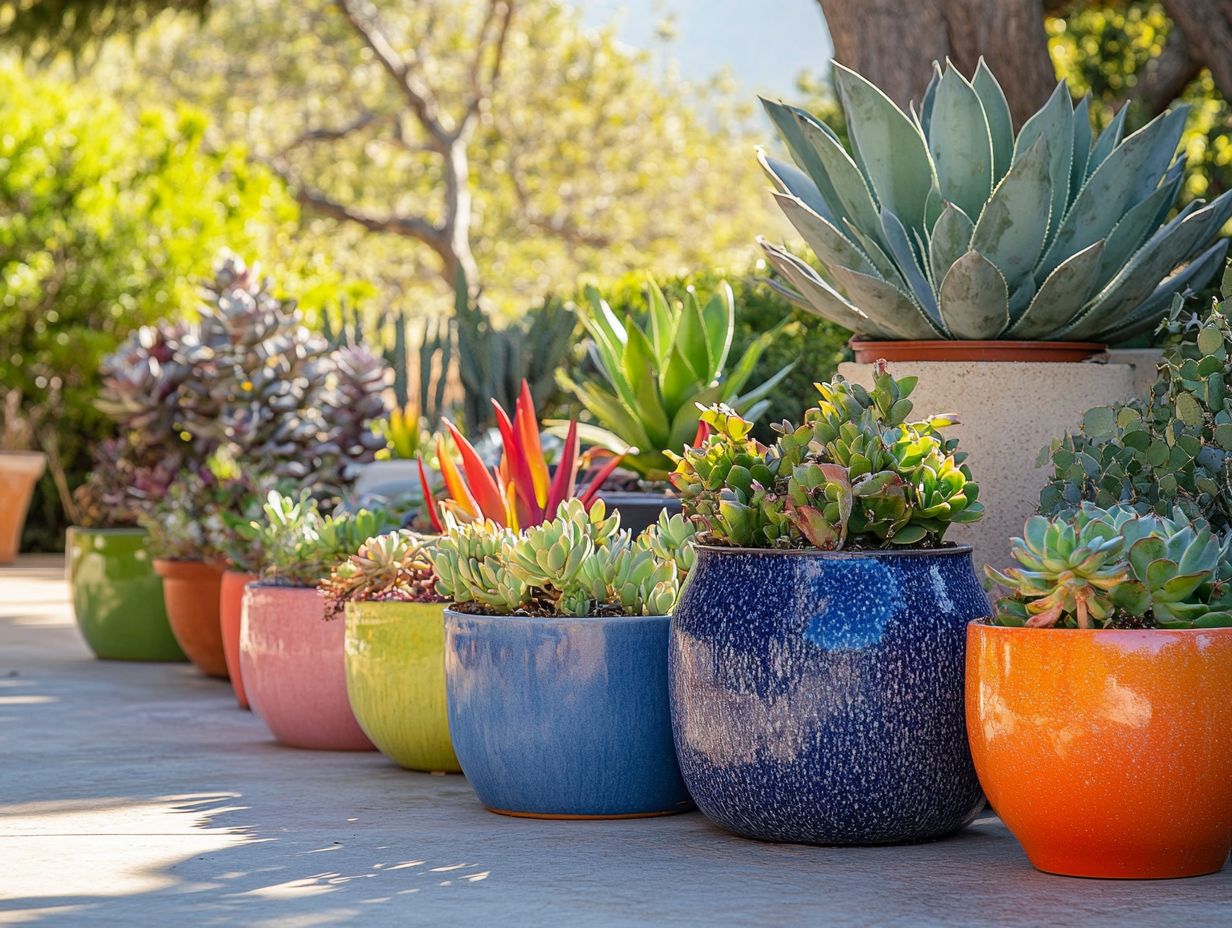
<point>19,472</point>
<point>1008,412</point>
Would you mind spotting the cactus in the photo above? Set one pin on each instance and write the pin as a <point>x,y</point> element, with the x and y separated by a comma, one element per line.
<point>393,567</point>
<point>942,224</point>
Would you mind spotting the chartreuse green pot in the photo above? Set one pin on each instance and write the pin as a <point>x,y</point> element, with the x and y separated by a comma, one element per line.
<point>117,596</point>
<point>395,675</point>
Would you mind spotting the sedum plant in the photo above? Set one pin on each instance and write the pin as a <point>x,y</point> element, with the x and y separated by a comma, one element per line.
<point>858,473</point>
<point>580,563</point>
<point>393,567</point>
<point>1116,568</point>
<point>944,224</point>
<point>654,377</point>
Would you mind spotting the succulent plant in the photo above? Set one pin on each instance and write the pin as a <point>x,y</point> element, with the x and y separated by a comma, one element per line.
<point>1116,568</point>
<point>656,376</point>
<point>189,520</point>
<point>943,224</point>
<point>1172,449</point>
<point>855,474</point>
<point>579,563</point>
<point>393,567</point>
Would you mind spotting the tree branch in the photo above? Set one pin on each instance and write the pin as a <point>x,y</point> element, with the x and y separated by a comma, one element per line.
<point>480,87</point>
<point>326,134</point>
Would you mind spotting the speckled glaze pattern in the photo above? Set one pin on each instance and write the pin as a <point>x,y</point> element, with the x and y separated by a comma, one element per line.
<point>395,678</point>
<point>294,672</point>
<point>1107,752</point>
<point>191,593</point>
<point>561,717</point>
<point>117,597</point>
<point>818,697</point>
<point>230,604</point>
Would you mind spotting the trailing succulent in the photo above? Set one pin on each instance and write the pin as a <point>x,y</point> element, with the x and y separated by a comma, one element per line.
<point>581,563</point>
<point>654,376</point>
<point>1117,568</point>
<point>944,224</point>
<point>393,567</point>
<point>1171,450</point>
<point>856,474</point>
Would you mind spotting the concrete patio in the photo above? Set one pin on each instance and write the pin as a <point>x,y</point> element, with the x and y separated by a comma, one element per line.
<point>140,795</point>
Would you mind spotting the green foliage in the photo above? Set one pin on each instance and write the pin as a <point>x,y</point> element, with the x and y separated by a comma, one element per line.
<point>856,474</point>
<point>656,373</point>
<point>1116,568</point>
<point>47,27</point>
<point>949,226</point>
<point>188,521</point>
<point>1171,450</point>
<point>393,567</point>
<point>578,564</point>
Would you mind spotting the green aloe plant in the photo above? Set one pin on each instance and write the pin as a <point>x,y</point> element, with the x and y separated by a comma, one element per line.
<point>655,377</point>
<point>944,224</point>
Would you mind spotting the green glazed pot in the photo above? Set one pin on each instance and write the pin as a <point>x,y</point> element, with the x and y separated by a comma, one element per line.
<point>117,597</point>
<point>395,673</point>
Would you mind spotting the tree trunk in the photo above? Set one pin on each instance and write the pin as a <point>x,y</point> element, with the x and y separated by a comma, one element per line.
<point>893,43</point>
<point>1207,25</point>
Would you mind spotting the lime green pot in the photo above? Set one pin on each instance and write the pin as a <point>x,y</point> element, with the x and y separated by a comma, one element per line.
<point>395,674</point>
<point>117,597</point>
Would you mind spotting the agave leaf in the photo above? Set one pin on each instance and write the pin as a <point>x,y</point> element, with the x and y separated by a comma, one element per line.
<point>1141,220</point>
<point>881,261</point>
<point>1082,146</point>
<point>742,402</point>
<point>1107,141</point>
<point>832,306</point>
<point>640,369</point>
<point>1054,122</point>
<point>743,369</point>
<point>828,243</point>
<point>719,316</point>
<point>929,99</point>
<point>1021,297</point>
<point>959,141</point>
<point>1061,296</point>
<point>784,119</point>
<point>974,299</point>
<point>950,240</point>
<point>608,336</point>
<point>888,147</point>
<point>1012,228</point>
<point>789,179</point>
<point>662,323</point>
<point>852,196</point>
<point>905,256</point>
<point>997,113</point>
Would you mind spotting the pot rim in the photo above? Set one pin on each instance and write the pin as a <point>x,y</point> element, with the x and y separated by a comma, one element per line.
<point>184,565</point>
<point>982,625</point>
<point>952,550</point>
<point>635,496</point>
<point>122,530</point>
<point>285,587</point>
<point>555,619</point>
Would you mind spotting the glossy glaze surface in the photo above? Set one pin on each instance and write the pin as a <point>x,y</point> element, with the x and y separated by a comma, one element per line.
<point>19,472</point>
<point>563,717</point>
<point>1107,753</point>
<point>230,603</point>
<point>818,698</point>
<point>291,660</point>
<point>191,593</point>
<point>117,597</point>
<point>395,677</point>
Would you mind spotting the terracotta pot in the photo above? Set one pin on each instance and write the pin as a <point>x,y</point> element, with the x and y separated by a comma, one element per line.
<point>191,592</point>
<point>395,677</point>
<point>19,472</point>
<point>868,351</point>
<point>294,672</point>
<point>117,596</point>
<point>1108,753</point>
<point>231,598</point>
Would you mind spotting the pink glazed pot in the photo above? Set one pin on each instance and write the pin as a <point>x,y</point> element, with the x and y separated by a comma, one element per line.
<point>294,670</point>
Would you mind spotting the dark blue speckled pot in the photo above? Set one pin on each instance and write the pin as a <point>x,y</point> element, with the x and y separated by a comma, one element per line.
<point>563,718</point>
<point>818,696</point>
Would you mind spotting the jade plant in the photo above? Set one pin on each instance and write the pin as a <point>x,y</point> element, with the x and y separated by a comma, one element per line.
<point>1116,568</point>
<point>393,567</point>
<point>858,473</point>
<point>1170,450</point>
<point>652,377</point>
<point>943,223</point>
<point>580,563</point>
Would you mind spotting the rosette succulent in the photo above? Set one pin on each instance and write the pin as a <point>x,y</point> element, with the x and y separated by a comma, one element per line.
<point>393,567</point>
<point>942,223</point>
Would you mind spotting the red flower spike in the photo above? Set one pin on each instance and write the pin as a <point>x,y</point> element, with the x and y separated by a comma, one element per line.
<point>483,488</point>
<point>564,481</point>
<point>455,486</point>
<point>518,466</point>
<point>588,497</point>
<point>429,499</point>
<point>526,426</point>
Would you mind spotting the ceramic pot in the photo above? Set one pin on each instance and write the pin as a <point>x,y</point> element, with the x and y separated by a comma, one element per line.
<point>191,592</point>
<point>1107,752</point>
<point>817,697</point>
<point>294,672</point>
<point>230,603</point>
<point>117,596</point>
<point>639,511</point>
<point>563,717</point>
<point>395,680</point>
<point>19,472</point>
<point>867,351</point>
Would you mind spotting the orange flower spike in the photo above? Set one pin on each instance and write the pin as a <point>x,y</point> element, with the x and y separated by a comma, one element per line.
<point>482,486</point>
<point>564,481</point>
<point>526,425</point>
<point>455,486</point>
<point>511,507</point>
<point>429,499</point>
<point>517,467</point>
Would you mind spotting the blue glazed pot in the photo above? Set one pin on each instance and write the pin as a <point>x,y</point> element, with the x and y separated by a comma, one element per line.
<point>562,717</point>
<point>818,696</point>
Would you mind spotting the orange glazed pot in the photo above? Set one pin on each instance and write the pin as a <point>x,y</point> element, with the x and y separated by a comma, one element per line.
<point>191,590</point>
<point>1107,752</point>
<point>231,598</point>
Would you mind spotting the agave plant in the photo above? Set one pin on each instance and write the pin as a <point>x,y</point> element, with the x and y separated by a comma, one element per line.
<point>942,224</point>
<point>521,491</point>
<point>658,376</point>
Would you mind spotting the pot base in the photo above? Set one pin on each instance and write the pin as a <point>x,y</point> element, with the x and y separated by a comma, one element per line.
<point>566,817</point>
<point>1147,869</point>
